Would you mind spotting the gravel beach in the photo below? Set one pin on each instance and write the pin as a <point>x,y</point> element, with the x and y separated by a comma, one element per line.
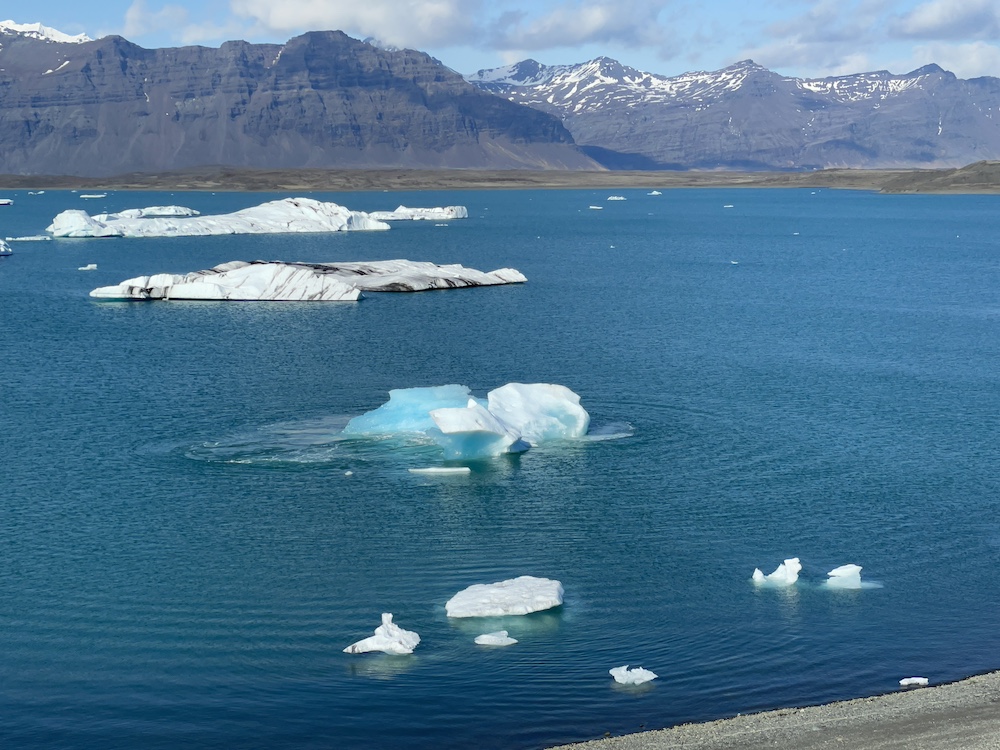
<point>962,715</point>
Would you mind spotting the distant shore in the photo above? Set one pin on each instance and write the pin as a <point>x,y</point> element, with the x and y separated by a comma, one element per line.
<point>964,714</point>
<point>982,177</point>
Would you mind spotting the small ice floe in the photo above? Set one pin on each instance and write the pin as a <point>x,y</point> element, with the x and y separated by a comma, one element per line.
<point>88,267</point>
<point>625,676</point>
<point>93,195</point>
<point>36,192</point>
<point>795,234</point>
<point>784,575</point>
<point>845,577</point>
<point>728,205</point>
<point>6,202</point>
<point>31,238</point>
<point>5,249</point>
<point>734,262</point>
<point>515,596</point>
<point>440,225</point>
<point>913,682</point>
<point>499,638</point>
<point>654,192</point>
<point>439,213</point>
<point>348,473</point>
<point>389,638</point>
<point>441,470</point>
<point>597,208</point>
<point>616,197</point>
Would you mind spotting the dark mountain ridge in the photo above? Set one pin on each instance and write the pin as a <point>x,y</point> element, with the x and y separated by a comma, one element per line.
<point>321,100</point>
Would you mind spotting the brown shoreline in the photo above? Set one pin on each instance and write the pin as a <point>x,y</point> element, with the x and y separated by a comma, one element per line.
<point>963,715</point>
<point>982,177</point>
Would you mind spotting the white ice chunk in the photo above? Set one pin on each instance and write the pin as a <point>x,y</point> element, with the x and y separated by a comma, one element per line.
<point>275,217</point>
<point>913,682</point>
<point>473,432</point>
<point>784,575</point>
<point>150,212</point>
<point>499,638</point>
<point>597,208</point>
<point>402,213</point>
<point>88,267</point>
<point>389,638</point>
<point>654,192</point>
<point>30,238</point>
<point>516,596</point>
<point>6,202</point>
<point>845,577</point>
<point>539,411</point>
<point>90,196</point>
<point>636,676</point>
<point>442,470</point>
<point>408,410</point>
<point>5,249</point>
<point>616,197</point>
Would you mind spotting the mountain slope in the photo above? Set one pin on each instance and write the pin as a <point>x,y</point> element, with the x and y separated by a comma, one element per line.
<point>745,116</point>
<point>69,105</point>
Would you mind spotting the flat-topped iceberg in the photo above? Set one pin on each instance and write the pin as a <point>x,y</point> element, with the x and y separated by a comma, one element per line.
<point>389,638</point>
<point>511,419</point>
<point>499,638</point>
<point>516,596</point>
<point>402,213</point>
<point>323,282</point>
<point>785,574</point>
<point>275,217</point>
<point>637,676</point>
<point>844,577</point>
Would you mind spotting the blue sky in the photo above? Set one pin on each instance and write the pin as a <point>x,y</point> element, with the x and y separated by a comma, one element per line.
<point>795,37</point>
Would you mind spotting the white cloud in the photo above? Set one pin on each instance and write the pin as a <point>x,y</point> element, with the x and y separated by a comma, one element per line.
<point>573,24</point>
<point>140,20</point>
<point>950,19</point>
<point>966,60</point>
<point>403,23</point>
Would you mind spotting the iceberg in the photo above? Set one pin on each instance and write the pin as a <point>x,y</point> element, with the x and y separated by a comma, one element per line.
<point>516,596</point>
<point>389,638</point>
<point>151,212</point>
<point>845,577</point>
<point>616,197</point>
<point>402,213</point>
<point>287,215</point>
<point>913,682</point>
<point>499,638</point>
<point>784,575</point>
<point>6,202</point>
<point>325,282</point>
<point>5,249</point>
<point>625,676</point>
<point>654,192</point>
<point>88,267</point>
<point>441,470</point>
<point>511,419</point>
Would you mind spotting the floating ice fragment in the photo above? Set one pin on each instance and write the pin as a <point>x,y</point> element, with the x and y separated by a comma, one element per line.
<point>5,249</point>
<point>421,214</point>
<point>845,577</point>
<point>515,596</point>
<point>539,411</point>
<point>913,682</point>
<point>784,575</point>
<point>389,638</point>
<point>499,638</point>
<point>441,470</point>
<point>597,208</point>
<point>30,238</point>
<point>94,195</point>
<point>474,432</point>
<point>348,473</point>
<point>408,410</point>
<point>654,192</point>
<point>626,676</point>
<point>88,267</point>
<point>6,202</point>
<point>728,205</point>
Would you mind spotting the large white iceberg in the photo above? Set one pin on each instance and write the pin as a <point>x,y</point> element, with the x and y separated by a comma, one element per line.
<point>326,282</point>
<point>637,676</point>
<point>274,217</point>
<point>509,420</point>
<point>388,638</point>
<point>785,574</point>
<point>516,596</point>
<point>442,213</point>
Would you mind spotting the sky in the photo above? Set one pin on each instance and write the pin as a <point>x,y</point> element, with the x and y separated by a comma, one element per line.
<point>802,38</point>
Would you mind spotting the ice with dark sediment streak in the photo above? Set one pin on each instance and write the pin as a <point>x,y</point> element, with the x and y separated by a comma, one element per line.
<point>515,596</point>
<point>323,282</point>
<point>389,638</point>
<point>785,574</point>
<point>636,676</point>
<point>510,420</point>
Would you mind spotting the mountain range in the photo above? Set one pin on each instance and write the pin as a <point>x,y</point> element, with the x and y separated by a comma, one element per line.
<point>75,106</point>
<point>71,105</point>
<point>747,117</point>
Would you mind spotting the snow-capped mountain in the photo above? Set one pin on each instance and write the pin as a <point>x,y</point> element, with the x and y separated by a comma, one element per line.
<point>44,33</point>
<point>745,116</point>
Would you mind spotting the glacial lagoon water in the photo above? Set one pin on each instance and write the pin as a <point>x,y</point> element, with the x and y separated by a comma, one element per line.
<point>805,374</point>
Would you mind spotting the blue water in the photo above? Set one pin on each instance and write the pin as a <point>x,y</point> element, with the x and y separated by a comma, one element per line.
<point>183,557</point>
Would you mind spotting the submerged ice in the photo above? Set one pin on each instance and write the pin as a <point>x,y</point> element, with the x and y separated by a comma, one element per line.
<point>509,420</point>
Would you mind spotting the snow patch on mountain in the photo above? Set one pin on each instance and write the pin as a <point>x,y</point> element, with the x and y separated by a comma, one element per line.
<point>44,33</point>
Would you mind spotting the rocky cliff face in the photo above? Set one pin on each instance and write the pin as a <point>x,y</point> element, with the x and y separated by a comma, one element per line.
<point>747,117</point>
<point>323,99</point>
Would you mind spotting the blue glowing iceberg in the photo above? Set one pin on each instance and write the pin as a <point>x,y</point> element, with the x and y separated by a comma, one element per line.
<point>510,420</point>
